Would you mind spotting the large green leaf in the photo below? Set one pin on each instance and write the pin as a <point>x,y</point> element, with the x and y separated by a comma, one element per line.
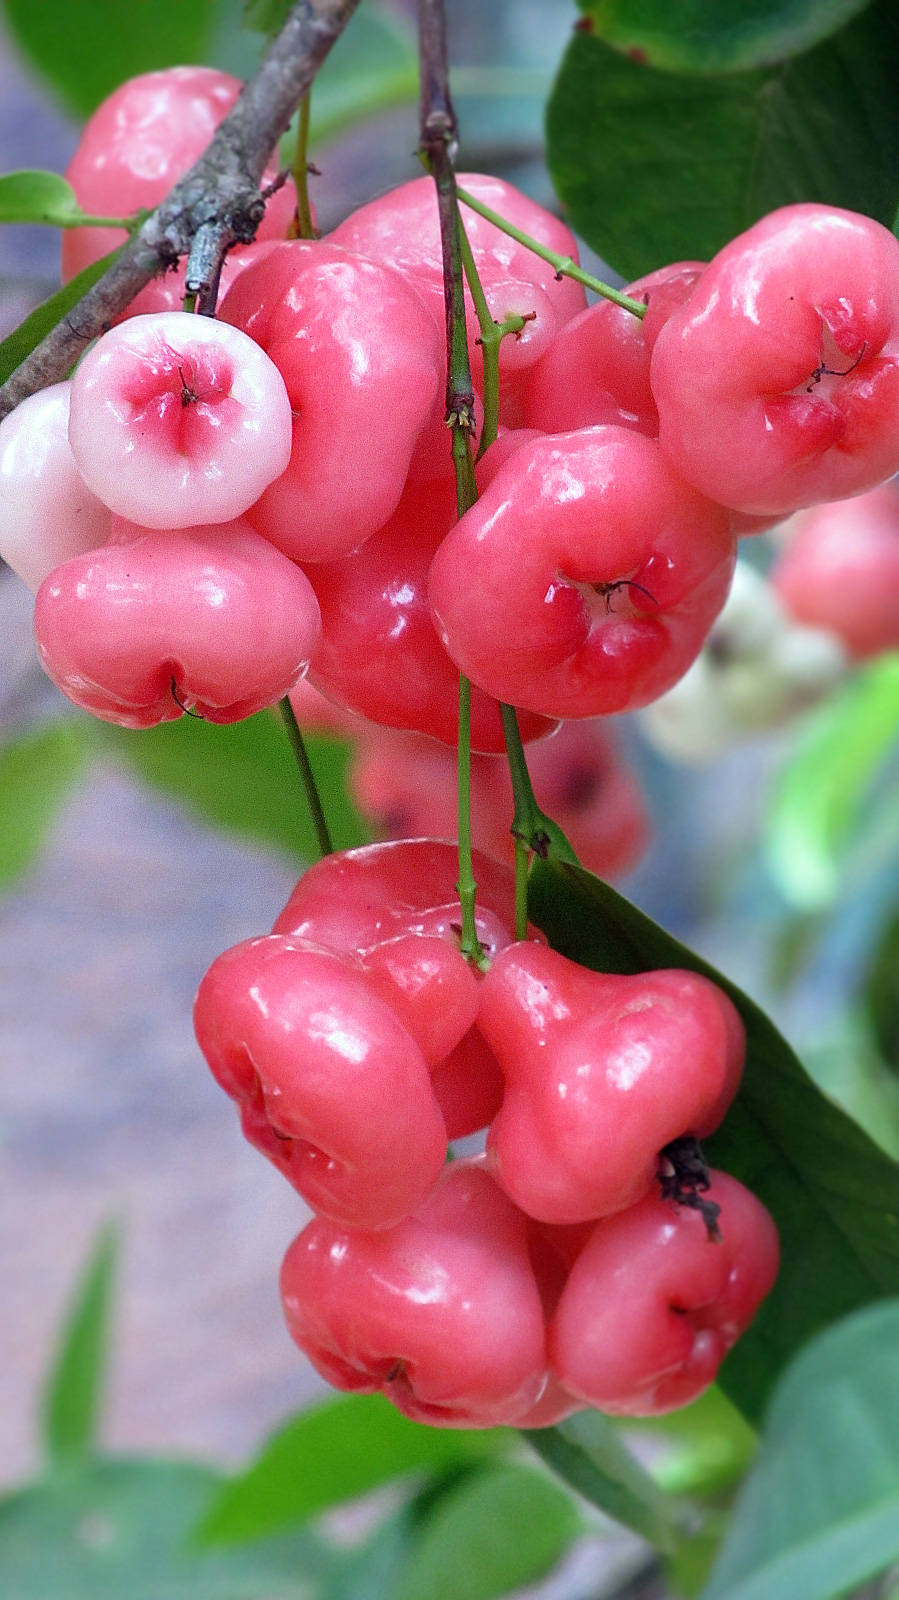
<point>656,166</point>
<point>820,1511</point>
<point>118,1530</point>
<point>330,1454</point>
<point>716,35</point>
<point>588,1452</point>
<point>819,801</point>
<point>39,322</point>
<point>833,1193</point>
<point>243,776</point>
<point>88,49</point>
<point>37,770</point>
<point>495,1531</point>
<point>73,1395</point>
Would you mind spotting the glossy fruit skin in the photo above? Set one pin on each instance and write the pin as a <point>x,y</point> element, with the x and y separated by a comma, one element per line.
<point>157,622</point>
<point>47,512</point>
<point>597,573</point>
<point>406,785</point>
<point>380,655</point>
<point>357,900</point>
<point>596,370</point>
<point>840,571</point>
<point>132,151</point>
<point>441,1314</point>
<point>331,1086</point>
<point>747,412</point>
<point>362,360</point>
<point>652,1305</point>
<point>394,907</point>
<point>601,1073</point>
<point>402,229</point>
<point>178,421</point>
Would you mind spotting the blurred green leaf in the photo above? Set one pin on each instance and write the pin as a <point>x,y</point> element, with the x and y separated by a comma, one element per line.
<point>37,197</point>
<point>706,1445</point>
<point>243,777</point>
<point>117,1530</point>
<point>819,1513</point>
<point>716,35</point>
<point>73,1396</point>
<point>370,1571</point>
<point>845,1063</point>
<point>880,995</point>
<point>373,67</point>
<point>39,322</point>
<point>659,166</point>
<point>818,804</point>
<point>589,1453</point>
<point>334,1453</point>
<point>87,50</point>
<point>266,16</point>
<point>499,1529</point>
<point>833,1194</point>
<point>689,1567</point>
<point>37,770</point>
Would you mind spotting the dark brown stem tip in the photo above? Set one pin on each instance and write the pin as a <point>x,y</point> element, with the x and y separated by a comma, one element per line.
<point>684,1178</point>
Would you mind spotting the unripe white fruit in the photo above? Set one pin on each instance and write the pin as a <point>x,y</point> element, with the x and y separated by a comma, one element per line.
<point>178,421</point>
<point>47,512</point>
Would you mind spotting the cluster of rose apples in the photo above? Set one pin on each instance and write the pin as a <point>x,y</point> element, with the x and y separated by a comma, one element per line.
<point>288,461</point>
<point>548,1274</point>
<point>210,507</point>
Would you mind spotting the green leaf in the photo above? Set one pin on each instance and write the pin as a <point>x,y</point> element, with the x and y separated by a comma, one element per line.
<point>37,197</point>
<point>705,1446</point>
<point>266,16</point>
<point>370,1571</point>
<point>73,1395</point>
<point>334,1453</point>
<point>880,995</point>
<point>243,777</point>
<point>37,770</point>
<point>373,67</point>
<point>819,801</point>
<point>39,322</point>
<point>716,35</point>
<point>689,1567</point>
<point>588,1452</point>
<point>845,1063</point>
<point>833,1194</point>
<point>87,50</point>
<point>499,1529</point>
<point>118,1530</point>
<point>819,1514</point>
<point>659,166</point>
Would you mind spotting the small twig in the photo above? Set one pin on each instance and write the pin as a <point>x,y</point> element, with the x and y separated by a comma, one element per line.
<point>303,226</point>
<point>307,777</point>
<point>564,266</point>
<point>439,137</point>
<point>208,249</point>
<point>220,195</point>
